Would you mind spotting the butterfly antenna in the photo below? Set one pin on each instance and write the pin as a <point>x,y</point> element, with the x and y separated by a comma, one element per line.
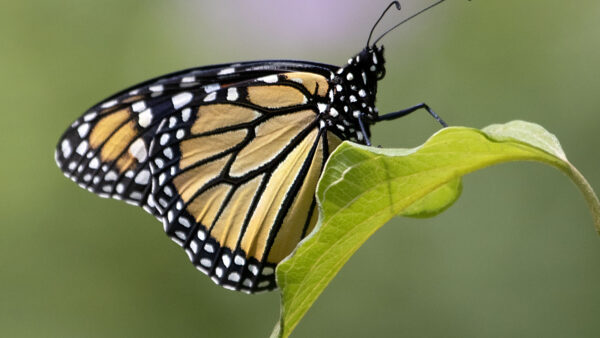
<point>403,21</point>
<point>398,7</point>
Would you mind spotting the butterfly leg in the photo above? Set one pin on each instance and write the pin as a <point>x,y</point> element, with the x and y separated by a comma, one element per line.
<point>404,112</point>
<point>363,130</point>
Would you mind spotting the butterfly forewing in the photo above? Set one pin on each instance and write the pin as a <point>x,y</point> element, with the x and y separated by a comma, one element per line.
<point>105,150</point>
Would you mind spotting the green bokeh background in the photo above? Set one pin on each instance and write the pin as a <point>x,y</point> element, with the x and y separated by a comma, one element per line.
<point>516,256</point>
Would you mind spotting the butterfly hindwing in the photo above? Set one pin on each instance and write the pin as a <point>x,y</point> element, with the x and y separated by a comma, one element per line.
<point>234,175</point>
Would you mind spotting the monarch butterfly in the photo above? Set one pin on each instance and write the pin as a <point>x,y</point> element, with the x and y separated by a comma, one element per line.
<point>228,156</point>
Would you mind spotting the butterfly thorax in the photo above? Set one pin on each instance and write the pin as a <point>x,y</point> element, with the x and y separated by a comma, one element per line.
<point>353,94</point>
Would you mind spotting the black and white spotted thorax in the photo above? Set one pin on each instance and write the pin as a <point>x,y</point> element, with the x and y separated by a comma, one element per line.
<point>352,95</point>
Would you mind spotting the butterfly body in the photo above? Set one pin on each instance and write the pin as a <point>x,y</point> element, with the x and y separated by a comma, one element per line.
<point>226,156</point>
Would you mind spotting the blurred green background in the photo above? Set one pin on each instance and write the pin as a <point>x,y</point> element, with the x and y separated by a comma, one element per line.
<point>517,256</point>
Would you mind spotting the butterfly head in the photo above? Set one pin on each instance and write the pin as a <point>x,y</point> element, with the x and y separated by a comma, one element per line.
<point>354,92</point>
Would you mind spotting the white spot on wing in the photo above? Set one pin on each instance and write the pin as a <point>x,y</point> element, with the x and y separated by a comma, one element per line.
<point>145,118</point>
<point>90,116</point>
<point>111,176</point>
<point>164,139</point>
<point>225,71</point>
<point>172,121</point>
<point>239,260</point>
<point>135,195</point>
<point>194,247</point>
<point>177,240</point>
<point>211,87</point>
<point>269,78</point>
<point>109,104</point>
<point>143,177</point>
<point>94,163</point>
<point>228,287</point>
<point>232,94</point>
<point>190,254</point>
<point>181,99</point>
<point>180,234</point>
<point>210,97</point>
<point>138,150</point>
<point>65,146</point>
<point>185,114</point>
<point>138,106</point>
<point>234,277</point>
<point>322,107</point>
<point>156,89</point>
<point>168,153</point>
<point>83,129</point>
<point>184,221</point>
<point>188,79</point>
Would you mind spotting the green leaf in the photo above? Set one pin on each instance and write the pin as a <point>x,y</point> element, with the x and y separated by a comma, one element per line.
<point>364,187</point>
<point>436,201</point>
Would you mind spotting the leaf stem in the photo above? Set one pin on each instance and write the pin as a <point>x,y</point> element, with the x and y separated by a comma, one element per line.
<point>588,193</point>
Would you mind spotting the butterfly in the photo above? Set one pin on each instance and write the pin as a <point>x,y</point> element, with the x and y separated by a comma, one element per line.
<point>228,156</point>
